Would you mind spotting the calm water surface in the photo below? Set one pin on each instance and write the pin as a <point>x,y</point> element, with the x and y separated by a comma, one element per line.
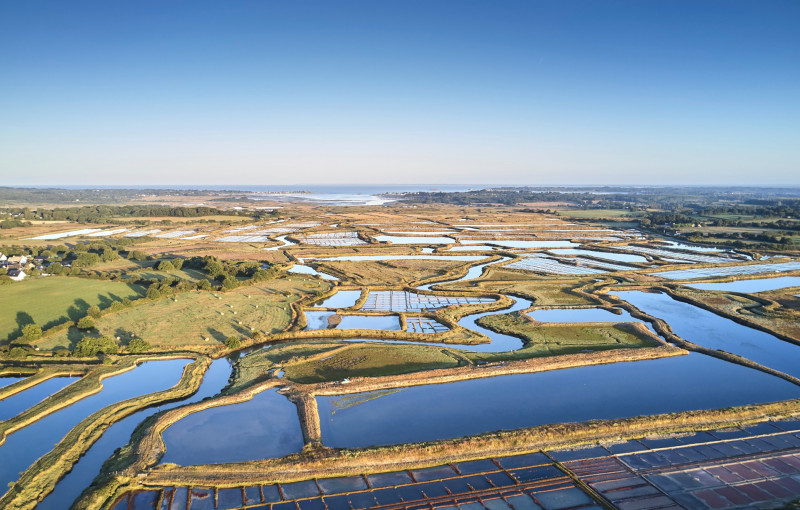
<point>6,381</point>
<point>302,269</point>
<point>23,447</point>
<point>88,467</point>
<point>750,286</point>
<point>431,412</point>
<point>319,320</point>
<point>19,402</point>
<point>265,427</point>
<point>710,330</point>
<point>342,299</point>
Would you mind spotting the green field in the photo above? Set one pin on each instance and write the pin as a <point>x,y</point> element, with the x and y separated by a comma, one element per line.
<point>201,317</point>
<point>370,360</point>
<point>55,300</point>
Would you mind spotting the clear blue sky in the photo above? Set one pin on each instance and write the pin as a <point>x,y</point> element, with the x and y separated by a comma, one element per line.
<point>400,91</point>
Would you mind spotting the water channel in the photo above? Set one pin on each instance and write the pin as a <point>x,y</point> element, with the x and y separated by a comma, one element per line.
<point>23,447</point>
<point>88,467</point>
<point>715,332</point>
<point>15,404</point>
<point>441,411</point>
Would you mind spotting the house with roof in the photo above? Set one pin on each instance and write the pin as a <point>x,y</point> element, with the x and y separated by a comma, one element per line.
<point>18,259</point>
<point>16,274</point>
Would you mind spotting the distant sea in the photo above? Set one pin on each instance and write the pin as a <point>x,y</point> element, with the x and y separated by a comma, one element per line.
<point>354,189</point>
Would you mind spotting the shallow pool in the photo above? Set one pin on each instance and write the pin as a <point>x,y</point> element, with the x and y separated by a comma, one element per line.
<point>342,299</point>
<point>750,286</point>
<point>319,320</point>
<point>265,427</point>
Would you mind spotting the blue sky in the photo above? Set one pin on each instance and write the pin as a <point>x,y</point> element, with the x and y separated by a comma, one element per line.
<point>400,91</point>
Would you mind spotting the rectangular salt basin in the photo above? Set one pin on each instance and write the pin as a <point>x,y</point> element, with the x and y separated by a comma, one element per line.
<point>708,272</point>
<point>475,247</point>
<point>60,235</point>
<point>455,258</point>
<point>105,233</point>
<point>511,243</point>
<point>617,257</point>
<point>760,285</point>
<point>415,240</point>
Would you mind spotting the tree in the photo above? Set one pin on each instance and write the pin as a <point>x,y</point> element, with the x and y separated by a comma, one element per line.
<point>86,323</point>
<point>203,284</point>
<point>31,332</point>
<point>92,346</point>
<point>137,345</point>
<point>86,260</point>
<point>165,265</point>
<point>233,342</point>
<point>93,311</point>
<point>55,268</point>
<point>177,263</point>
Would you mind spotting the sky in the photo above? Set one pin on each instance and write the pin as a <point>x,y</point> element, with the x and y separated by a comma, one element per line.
<point>399,91</point>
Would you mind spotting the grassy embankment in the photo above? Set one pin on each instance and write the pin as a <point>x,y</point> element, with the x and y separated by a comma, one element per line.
<point>40,479</point>
<point>202,319</point>
<point>56,300</point>
<point>329,463</point>
<point>548,339</point>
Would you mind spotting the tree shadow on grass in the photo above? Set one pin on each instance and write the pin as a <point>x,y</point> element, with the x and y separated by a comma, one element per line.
<point>77,309</point>
<point>217,335</point>
<point>103,301</point>
<point>23,319</point>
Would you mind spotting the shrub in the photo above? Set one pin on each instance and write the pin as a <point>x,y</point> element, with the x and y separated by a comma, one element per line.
<point>31,332</point>
<point>137,255</point>
<point>93,311</point>
<point>165,265</point>
<point>17,352</point>
<point>85,323</point>
<point>91,346</point>
<point>177,263</point>
<point>153,292</point>
<point>137,345</point>
<point>233,342</point>
<point>204,285</point>
<point>230,283</point>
